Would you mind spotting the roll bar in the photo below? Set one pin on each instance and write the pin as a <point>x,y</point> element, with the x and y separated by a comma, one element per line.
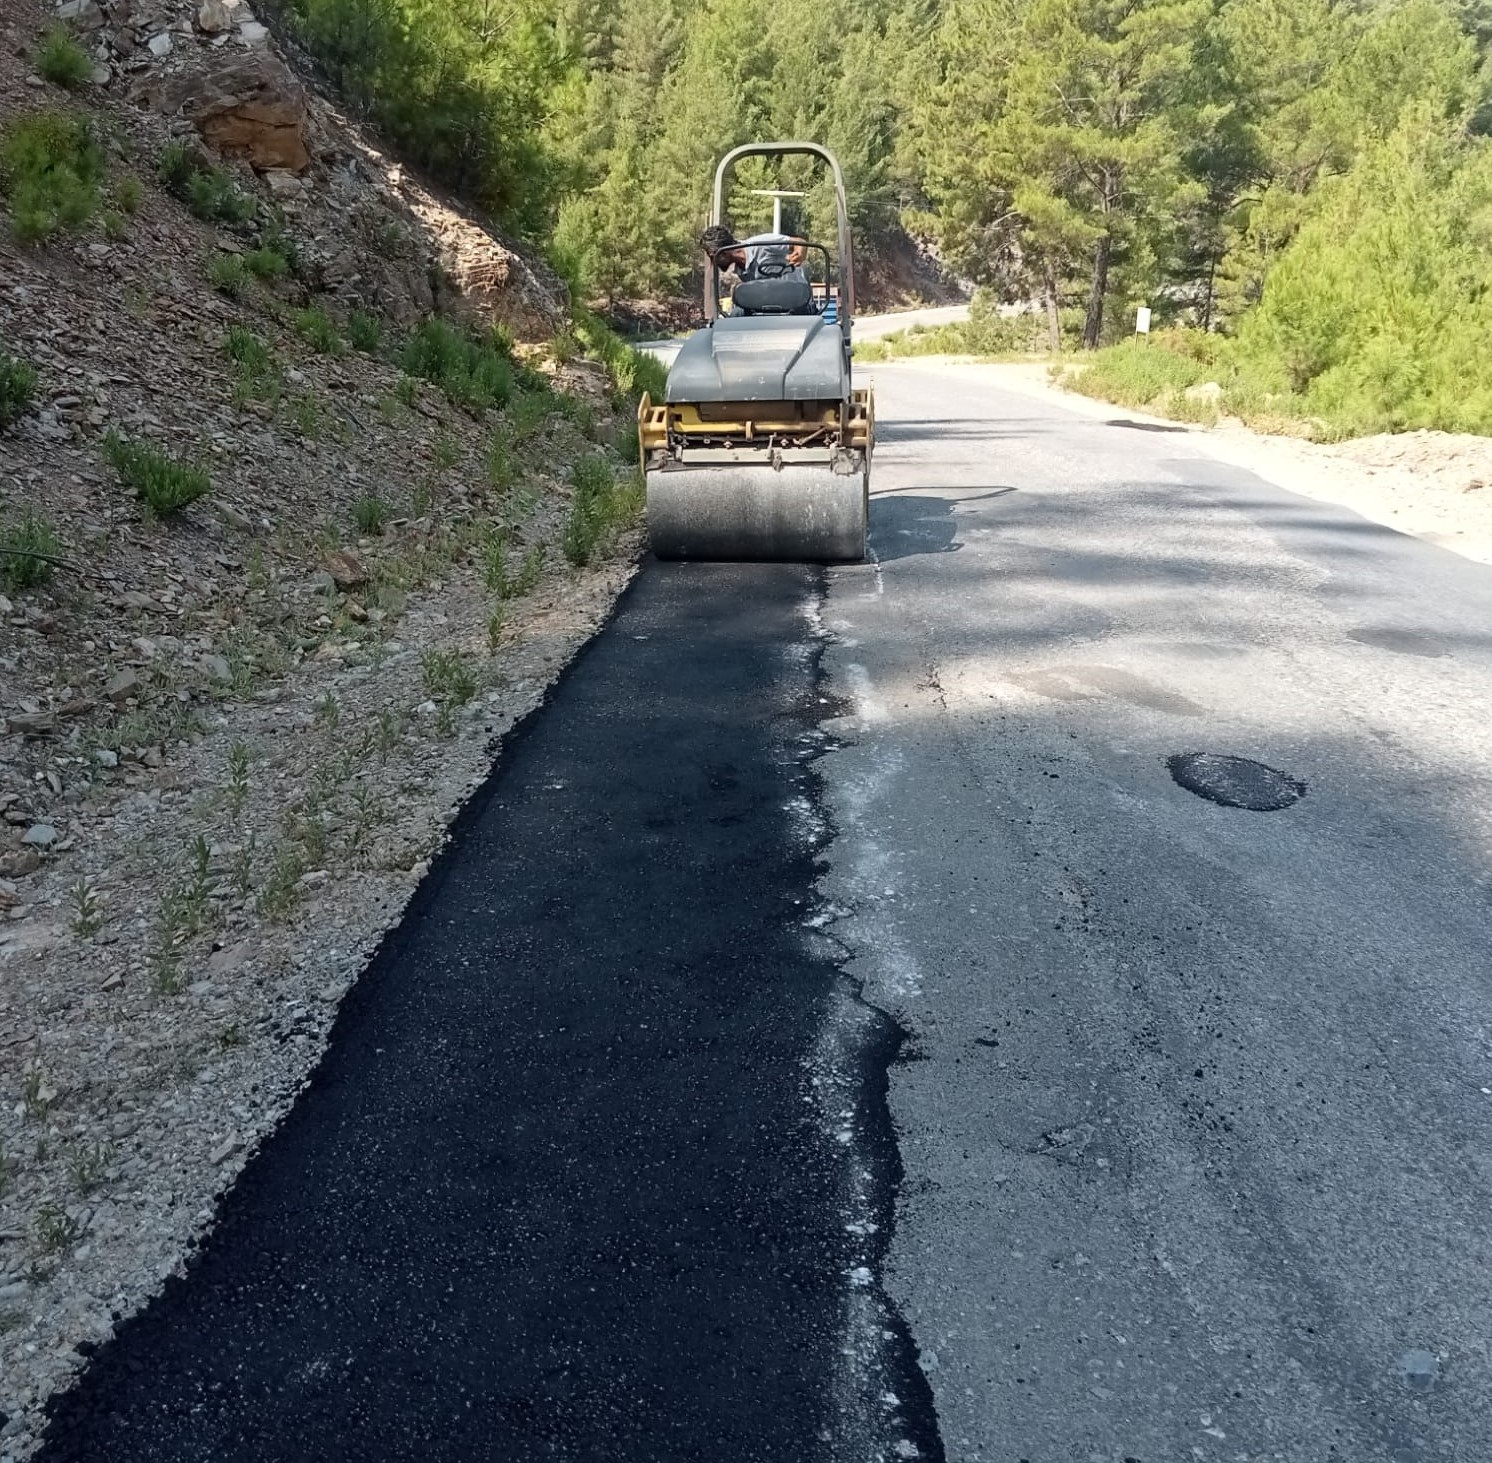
<point>846,250</point>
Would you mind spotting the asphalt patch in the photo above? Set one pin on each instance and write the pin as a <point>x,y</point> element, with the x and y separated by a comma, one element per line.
<point>1235,782</point>
<point>559,1188</point>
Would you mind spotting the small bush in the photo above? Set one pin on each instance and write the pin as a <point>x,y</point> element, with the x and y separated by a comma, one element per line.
<point>495,564</point>
<point>565,348</point>
<point>448,677</point>
<point>474,371</point>
<point>365,331</point>
<point>244,347</point>
<point>370,514</point>
<point>178,165</point>
<point>602,504</point>
<point>527,577</point>
<point>632,371</point>
<point>129,194</point>
<point>162,483</point>
<point>50,169</point>
<point>61,60</point>
<point>629,444</point>
<point>502,464</point>
<point>229,275</point>
<point>209,192</point>
<point>17,387</point>
<point>1137,373</point>
<point>319,331</point>
<point>258,371</point>
<point>267,264</point>
<point>25,550</point>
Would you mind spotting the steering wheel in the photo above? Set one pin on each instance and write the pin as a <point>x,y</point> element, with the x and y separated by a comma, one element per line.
<point>772,268</point>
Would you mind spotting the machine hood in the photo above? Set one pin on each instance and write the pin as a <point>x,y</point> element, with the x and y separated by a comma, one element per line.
<point>762,358</point>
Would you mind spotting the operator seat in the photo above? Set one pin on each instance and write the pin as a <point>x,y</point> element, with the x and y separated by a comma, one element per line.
<point>772,285</point>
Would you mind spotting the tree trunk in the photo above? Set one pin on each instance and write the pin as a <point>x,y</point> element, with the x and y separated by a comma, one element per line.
<point>1053,316</point>
<point>1093,324</point>
<point>1211,292</point>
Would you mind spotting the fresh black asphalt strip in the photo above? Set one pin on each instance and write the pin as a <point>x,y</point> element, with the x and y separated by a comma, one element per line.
<point>558,1189</point>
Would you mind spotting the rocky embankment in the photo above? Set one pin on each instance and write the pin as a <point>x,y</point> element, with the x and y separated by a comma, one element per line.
<point>280,559</point>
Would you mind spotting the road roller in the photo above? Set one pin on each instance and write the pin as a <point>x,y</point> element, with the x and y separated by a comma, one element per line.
<point>761,447</point>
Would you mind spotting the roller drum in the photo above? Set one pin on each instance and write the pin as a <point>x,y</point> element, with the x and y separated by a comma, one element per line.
<point>794,513</point>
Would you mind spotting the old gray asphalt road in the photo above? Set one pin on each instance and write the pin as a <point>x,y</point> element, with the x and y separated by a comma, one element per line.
<point>1195,1113</point>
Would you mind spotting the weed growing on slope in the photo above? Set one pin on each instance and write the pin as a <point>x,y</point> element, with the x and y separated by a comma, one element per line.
<point>448,677</point>
<point>319,331</point>
<point>527,577</point>
<point>371,514</point>
<point>267,264</point>
<point>27,548</point>
<point>61,60</point>
<point>474,371</point>
<point>55,1230</point>
<point>258,372</point>
<point>365,331</point>
<point>228,275</point>
<point>215,198</point>
<point>129,194</point>
<point>50,169</point>
<point>88,909</point>
<point>88,1164</point>
<point>602,504</point>
<point>17,387</point>
<point>236,785</point>
<point>162,483</point>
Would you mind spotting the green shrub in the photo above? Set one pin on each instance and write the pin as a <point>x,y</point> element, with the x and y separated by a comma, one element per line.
<point>632,371</point>
<point>1137,373</point>
<point>229,275</point>
<point>178,165</point>
<point>502,464</point>
<point>17,387</point>
<point>50,169</point>
<point>209,192</point>
<point>267,264</point>
<point>244,347</point>
<point>365,331</point>
<point>61,60</point>
<point>129,194</point>
<point>602,504</point>
<point>277,237</point>
<point>370,514</point>
<point>25,550</point>
<point>162,483</point>
<point>319,331</point>
<point>475,371</point>
<point>495,564</point>
<point>528,576</point>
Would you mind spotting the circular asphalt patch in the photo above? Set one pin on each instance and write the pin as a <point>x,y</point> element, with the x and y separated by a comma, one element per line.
<point>1235,782</point>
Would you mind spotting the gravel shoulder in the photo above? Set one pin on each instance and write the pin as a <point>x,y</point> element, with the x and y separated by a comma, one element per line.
<point>1434,485</point>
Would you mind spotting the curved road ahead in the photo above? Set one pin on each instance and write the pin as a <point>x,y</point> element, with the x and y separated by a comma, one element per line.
<point>835,1034</point>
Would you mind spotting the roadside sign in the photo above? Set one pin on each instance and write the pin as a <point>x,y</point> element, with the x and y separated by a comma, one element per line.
<point>1142,320</point>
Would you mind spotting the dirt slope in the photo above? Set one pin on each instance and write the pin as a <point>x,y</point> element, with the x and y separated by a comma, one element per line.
<point>231,736</point>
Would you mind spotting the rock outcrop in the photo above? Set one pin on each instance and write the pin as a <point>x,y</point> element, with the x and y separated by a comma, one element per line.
<point>366,230</point>
<point>244,106</point>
